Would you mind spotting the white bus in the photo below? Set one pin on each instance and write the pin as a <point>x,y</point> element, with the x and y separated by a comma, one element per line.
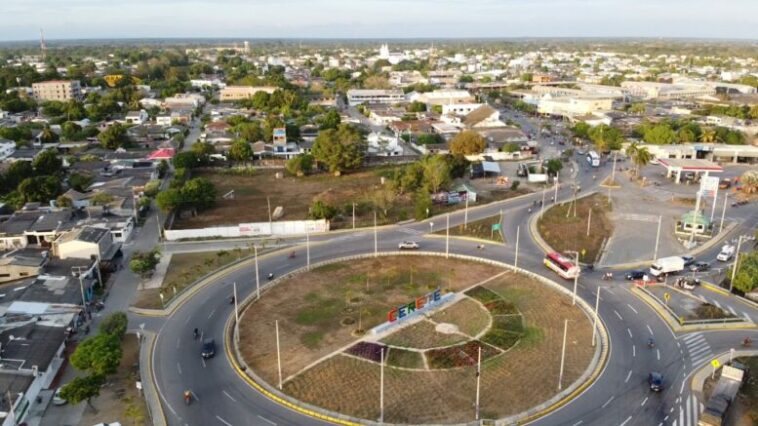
<point>593,159</point>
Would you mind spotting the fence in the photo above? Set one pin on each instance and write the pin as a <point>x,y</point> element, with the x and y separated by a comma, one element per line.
<point>292,227</point>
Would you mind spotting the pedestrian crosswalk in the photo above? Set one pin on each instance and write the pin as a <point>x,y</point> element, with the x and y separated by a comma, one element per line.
<point>698,349</point>
<point>689,411</point>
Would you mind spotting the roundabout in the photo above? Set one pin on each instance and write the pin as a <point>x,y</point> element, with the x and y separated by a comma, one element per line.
<point>338,324</point>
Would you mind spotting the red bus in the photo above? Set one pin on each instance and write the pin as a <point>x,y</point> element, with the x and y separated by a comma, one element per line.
<point>565,267</point>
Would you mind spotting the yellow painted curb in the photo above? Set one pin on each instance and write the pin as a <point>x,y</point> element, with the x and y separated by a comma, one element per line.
<point>152,379</point>
<point>466,238</point>
<point>714,288</point>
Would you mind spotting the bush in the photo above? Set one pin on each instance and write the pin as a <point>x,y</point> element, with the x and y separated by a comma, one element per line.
<point>515,184</point>
<point>144,262</point>
<point>114,324</point>
<point>321,210</point>
<point>422,205</point>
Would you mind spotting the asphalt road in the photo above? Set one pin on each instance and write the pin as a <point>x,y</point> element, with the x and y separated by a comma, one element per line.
<point>620,396</point>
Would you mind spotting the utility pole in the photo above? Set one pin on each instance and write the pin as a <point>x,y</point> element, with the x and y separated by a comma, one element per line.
<point>376,242</point>
<point>589,221</point>
<point>515,260</point>
<point>594,319</point>
<point>279,357</point>
<point>478,379</point>
<point>613,172</point>
<point>723,212</point>
<point>268,203</point>
<point>576,279</point>
<point>257,275</point>
<point>447,237</point>
<point>736,262</point>
<point>381,385</point>
<point>713,207</point>
<point>236,314</point>
<point>563,354</point>
<point>555,197</point>
<point>657,238</point>
<point>307,250</point>
<point>542,205</point>
<point>465,214</point>
<point>353,215</point>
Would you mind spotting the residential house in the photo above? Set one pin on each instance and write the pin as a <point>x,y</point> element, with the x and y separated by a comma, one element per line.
<point>84,243</point>
<point>35,226</point>
<point>7,147</point>
<point>136,117</point>
<point>238,93</point>
<point>483,117</point>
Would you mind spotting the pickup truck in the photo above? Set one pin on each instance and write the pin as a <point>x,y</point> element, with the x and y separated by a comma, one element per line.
<point>727,251</point>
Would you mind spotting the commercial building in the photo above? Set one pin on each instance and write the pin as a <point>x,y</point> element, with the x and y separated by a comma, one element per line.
<point>57,90</point>
<point>370,96</point>
<point>238,93</point>
<point>444,97</point>
<point>667,91</point>
<point>573,106</point>
<point>716,152</point>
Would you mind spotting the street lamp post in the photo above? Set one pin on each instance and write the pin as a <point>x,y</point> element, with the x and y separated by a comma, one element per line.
<point>594,319</point>
<point>515,260</point>
<point>563,354</point>
<point>657,237</point>
<point>576,276</point>
<point>257,275</point>
<point>447,237</point>
<point>736,262</point>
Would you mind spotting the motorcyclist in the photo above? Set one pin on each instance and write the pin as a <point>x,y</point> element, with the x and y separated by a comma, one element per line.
<point>187,396</point>
<point>231,300</point>
<point>650,343</point>
<point>270,275</point>
<point>195,332</point>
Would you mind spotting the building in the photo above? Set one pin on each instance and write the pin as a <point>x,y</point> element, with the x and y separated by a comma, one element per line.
<point>188,101</point>
<point>57,90</point>
<point>716,152</point>
<point>372,96</point>
<point>459,109</point>
<point>7,148</point>
<point>239,93</point>
<point>573,106</point>
<point>667,91</point>
<point>136,117</point>
<point>84,243</point>
<point>483,117</point>
<point>34,227</point>
<point>443,97</point>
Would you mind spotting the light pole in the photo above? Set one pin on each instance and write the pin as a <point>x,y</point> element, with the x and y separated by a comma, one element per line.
<point>307,250</point>
<point>257,275</point>
<point>478,379</point>
<point>594,320</point>
<point>723,212</point>
<point>555,197</point>
<point>278,354</point>
<point>236,314</point>
<point>381,385</point>
<point>78,274</point>
<point>447,237</point>
<point>563,353</point>
<point>431,227</point>
<point>376,242</point>
<point>353,215</point>
<point>515,260</point>
<point>542,205</point>
<point>736,262</point>
<point>465,214</point>
<point>657,238</point>
<point>576,276</point>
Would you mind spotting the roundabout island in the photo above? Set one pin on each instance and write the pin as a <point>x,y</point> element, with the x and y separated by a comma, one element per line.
<point>319,337</point>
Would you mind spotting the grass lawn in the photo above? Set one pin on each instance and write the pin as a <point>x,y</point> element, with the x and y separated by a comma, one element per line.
<point>297,194</point>
<point>121,400</point>
<point>570,233</point>
<point>184,269</point>
<point>481,229</point>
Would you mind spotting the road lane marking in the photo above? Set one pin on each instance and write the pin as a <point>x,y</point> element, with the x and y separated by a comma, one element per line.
<point>644,401</point>
<point>634,350</point>
<point>578,423</point>
<point>718,305</point>
<point>229,396</point>
<point>607,402</point>
<point>731,309</point>
<point>628,376</point>
<point>618,314</point>
<point>649,329</point>
<point>266,420</point>
<point>179,367</point>
<point>632,308</point>
<point>223,421</point>
<point>682,388</point>
<point>694,409</point>
<point>212,312</point>
<point>688,410</point>
<point>203,361</point>
<point>187,320</point>
<point>681,416</point>
<point>658,352</point>
<point>626,421</point>
<point>628,330</point>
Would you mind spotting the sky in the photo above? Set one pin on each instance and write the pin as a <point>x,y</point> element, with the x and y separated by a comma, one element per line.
<point>75,19</point>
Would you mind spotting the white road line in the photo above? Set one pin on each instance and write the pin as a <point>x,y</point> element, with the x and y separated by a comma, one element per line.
<point>649,329</point>
<point>694,409</point>
<point>223,421</point>
<point>634,350</point>
<point>187,320</point>
<point>681,389</point>
<point>667,417</point>
<point>270,422</point>
<point>689,337</point>
<point>179,368</point>
<point>607,402</point>
<point>688,410</point>
<point>211,314</point>
<point>644,401</point>
<point>229,396</point>
<point>618,315</point>
<point>731,309</point>
<point>746,315</point>
<point>628,330</point>
<point>658,353</point>
<point>681,417</point>
<point>632,308</point>
<point>172,409</point>
<point>626,421</point>
<point>628,376</point>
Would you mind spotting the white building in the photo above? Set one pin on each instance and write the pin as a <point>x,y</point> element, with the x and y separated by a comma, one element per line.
<point>573,106</point>
<point>136,117</point>
<point>443,97</point>
<point>383,145</point>
<point>459,109</point>
<point>7,147</point>
<point>667,91</point>
<point>374,96</point>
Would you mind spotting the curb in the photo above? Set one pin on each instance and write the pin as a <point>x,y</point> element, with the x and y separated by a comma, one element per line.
<point>699,376</point>
<point>466,238</point>
<point>714,288</point>
<point>152,400</point>
<point>592,372</point>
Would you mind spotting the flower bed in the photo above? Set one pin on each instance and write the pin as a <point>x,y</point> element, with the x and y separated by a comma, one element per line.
<point>367,350</point>
<point>460,355</point>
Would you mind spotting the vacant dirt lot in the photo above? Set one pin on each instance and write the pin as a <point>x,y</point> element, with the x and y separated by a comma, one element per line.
<point>481,229</point>
<point>570,233</point>
<point>318,311</point>
<point>512,382</point>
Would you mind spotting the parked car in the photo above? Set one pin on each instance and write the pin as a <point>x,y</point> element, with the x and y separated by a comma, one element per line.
<point>635,275</point>
<point>725,184</point>
<point>408,245</point>
<point>700,266</point>
<point>655,380</point>
<point>209,348</point>
<point>58,399</point>
<point>687,283</point>
<point>688,260</point>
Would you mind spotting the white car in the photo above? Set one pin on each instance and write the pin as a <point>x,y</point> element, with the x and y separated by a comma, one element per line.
<point>408,245</point>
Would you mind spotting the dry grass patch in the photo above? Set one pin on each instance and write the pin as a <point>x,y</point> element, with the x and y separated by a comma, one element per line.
<point>470,317</point>
<point>564,233</point>
<point>422,335</point>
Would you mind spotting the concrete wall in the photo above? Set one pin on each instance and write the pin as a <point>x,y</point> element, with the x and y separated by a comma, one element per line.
<point>293,227</point>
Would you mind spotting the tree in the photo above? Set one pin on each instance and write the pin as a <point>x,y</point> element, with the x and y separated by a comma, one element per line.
<point>436,172</point>
<point>169,199</point>
<point>340,150</point>
<point>114,137</point>
<point>79,181</point>
<point>198,193</point>
<point>39,188</point>
<point>83,389</point>
<point>408,179</point>
<point>330,120</point>
<point>429,138</point>
<point>321,210</point>
<point>638,108</point>
<point>17,172</point>
<point>114,324</point>
<point>63,202</point>
<point>99,355</point>
<point>511,147</point>
<point>746,279</point>
<point>240,151</point>
<point>203,151</point>
<point>422,205</point>
<point>101,199</point>
<point>708,136</point>
<point>185,160</point>
<point>376,82</point>
<point>71,131</point>
<point>142,263</point>
<point>48,135</point>
<point>416,106</point>
<point>47,163</point>
<point>554,166</point>
<point>300,165</point>
<point>467,142</point>
<point>162,169</point>
<point>749,181</point>
<point>581,130</point>
<point>640,156</point>
<point>382,199</point>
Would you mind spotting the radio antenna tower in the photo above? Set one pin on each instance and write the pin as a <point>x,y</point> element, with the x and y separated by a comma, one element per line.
<point>42,46</point>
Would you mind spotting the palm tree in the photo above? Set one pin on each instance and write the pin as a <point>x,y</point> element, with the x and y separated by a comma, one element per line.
<point>47,135</point>
<point>641,156</point>
<point>708,136</point>
<point>749,181</point>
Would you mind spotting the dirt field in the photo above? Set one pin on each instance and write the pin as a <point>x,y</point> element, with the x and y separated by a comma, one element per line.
<point>120,400</point>
<point>318,311</point>
<point>481,229</point>
<point>570,233</point>
<point>512,381</point>
<point>422,336</point>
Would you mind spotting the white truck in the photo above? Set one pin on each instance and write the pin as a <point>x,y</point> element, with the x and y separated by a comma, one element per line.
<point>727,251</point>
<point>667,265</point>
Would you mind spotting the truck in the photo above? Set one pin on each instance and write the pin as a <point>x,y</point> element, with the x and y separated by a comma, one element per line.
<point>667,265</point>
<point>727,251</point>
<point>717,406</point>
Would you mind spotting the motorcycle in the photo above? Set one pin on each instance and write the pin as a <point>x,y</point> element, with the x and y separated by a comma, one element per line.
<point>292,255</point>
<point>195,334</point>
<point>187,397</point>
<point>651,343</point>
<point>747,342</point>
<point>270,276</point>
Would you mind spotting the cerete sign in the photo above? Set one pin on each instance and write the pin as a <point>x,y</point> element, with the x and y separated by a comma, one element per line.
<point>420,304</point>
